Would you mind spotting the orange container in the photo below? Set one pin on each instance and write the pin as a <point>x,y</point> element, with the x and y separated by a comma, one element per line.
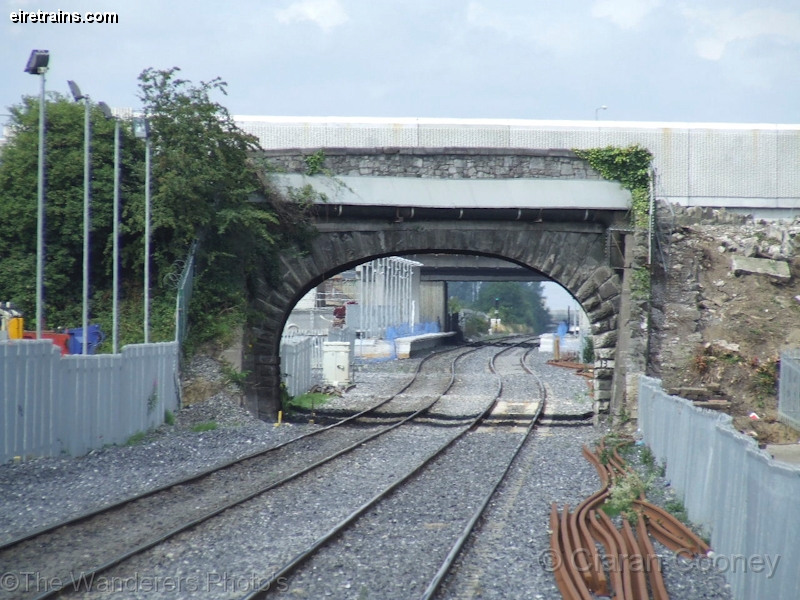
<point>59,339</point>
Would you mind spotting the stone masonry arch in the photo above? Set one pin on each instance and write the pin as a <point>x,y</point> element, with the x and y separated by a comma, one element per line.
<point>572,254</point>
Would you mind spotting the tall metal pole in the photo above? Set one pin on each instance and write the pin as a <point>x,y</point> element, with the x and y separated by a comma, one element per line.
<point>147,243</point>
<point>115,297</point>
<point>87,184</point>
<point>40,218</point>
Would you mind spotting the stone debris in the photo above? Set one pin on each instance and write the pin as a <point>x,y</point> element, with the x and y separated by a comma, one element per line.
<point>777,269</point>
<point>724,345</point>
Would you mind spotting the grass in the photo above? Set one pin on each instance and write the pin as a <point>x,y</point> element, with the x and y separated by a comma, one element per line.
<point>308,401</point>
<point>136,438</point>
<point>232,376</point>
<point>169,418</point>
<point>624,491</point>
<point>677,509</point>
<point>207,426</point>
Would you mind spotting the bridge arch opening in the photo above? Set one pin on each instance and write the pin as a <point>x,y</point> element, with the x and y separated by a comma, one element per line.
<point>571,254</point>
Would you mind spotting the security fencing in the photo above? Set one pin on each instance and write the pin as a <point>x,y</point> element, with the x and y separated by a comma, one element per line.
<point>388,295</point>
<point>789,388</point>
<point>743,496</point>
<point>185,287</point>
<point>73,404</point>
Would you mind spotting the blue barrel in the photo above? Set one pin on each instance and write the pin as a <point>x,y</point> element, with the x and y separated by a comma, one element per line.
<point>95,338</point>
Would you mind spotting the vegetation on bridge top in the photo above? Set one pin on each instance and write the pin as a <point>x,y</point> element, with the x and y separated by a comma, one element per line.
<point>631,167</point>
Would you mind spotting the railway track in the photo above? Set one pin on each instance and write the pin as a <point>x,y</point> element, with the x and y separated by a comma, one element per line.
<point>156,516</point>
<point>429,538</point>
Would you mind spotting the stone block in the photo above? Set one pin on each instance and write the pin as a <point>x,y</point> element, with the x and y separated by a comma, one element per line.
<point>603,395</point>
<point>776,269</point>
<point>604,326</point>
<point>605,353</point>
<point>602,274</point>
<point>604,310</point>
<point>588,288</point>
<point>590,303</point>
<point>608,289</point>
<point>605,340</point>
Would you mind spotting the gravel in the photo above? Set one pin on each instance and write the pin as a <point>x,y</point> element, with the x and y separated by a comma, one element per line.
<point>259,536</point>
<point>45,491</point>
<point>220,558</point>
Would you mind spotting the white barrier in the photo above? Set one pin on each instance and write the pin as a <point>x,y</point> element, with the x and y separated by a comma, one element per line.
<point>744,497</point>
<point>52,404</point>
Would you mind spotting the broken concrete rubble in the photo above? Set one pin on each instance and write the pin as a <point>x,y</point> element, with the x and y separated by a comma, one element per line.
<point>777,269</point>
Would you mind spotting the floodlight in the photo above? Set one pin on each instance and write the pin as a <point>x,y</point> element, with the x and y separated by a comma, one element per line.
<point>37,63</point>
<point>141,128</point>
<point>75,90</point>
<point>105,109</point>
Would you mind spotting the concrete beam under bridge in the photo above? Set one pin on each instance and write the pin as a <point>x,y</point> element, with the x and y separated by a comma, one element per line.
<point>463,267</point>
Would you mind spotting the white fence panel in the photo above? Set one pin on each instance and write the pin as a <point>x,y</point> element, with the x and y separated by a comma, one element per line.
<point>74,404</point>
<point>296,364</point>
<point>746,499</point>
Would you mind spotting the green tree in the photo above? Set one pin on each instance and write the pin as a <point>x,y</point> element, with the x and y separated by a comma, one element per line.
<point>517,302</point>
<point>207,184</point>
<point>64,205</point>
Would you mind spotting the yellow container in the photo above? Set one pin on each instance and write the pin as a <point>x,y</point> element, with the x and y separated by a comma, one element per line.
<point>15,328</point>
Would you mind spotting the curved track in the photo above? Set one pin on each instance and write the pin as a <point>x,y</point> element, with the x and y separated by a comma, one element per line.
<point>386,515</point>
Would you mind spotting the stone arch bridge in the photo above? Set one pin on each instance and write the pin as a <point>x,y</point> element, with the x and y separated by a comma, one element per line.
<point>546,210</point>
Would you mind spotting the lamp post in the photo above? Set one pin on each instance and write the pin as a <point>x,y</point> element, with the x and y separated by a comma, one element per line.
<point>37,65</point>
<point>87,185</point>
<point>104,108</point>
<point>141,129</point>
<point>597,110</point>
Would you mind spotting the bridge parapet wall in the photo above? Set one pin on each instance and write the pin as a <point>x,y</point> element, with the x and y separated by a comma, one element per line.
<point>440,163</point>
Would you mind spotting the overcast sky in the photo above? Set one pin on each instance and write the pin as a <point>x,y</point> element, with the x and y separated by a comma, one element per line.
<point>652,60</point>
<point>647,60</point>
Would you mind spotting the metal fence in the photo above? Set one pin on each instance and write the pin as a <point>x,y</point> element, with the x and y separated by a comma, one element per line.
<point>388,295</point>
<point>301,355</point>
<point>296,353</point>
<point>789,388</point>
<point>744,497</point>
<point>52,404</point>
<point>184,296</point>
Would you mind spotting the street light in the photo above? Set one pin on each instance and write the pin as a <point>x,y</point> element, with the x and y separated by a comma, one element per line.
<point>37,65</point>
<point>104,108</point>
<point>87,184</point>
<point>597,110</point>
<point>141,129</point>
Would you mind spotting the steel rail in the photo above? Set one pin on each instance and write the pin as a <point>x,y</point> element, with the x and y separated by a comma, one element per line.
<point>337,529</point>
<point>201,474</point>
<point>437,580</point>
<point>213,513</point>
<point>657,586</point>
